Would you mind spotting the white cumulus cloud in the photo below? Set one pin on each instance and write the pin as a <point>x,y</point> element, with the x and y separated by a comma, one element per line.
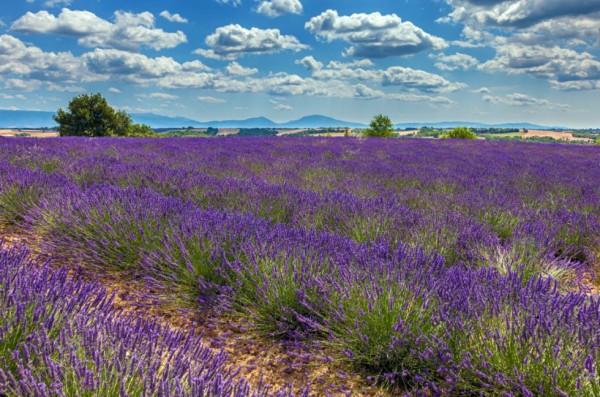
<point>419,80</point>
<point>546,39</point>
<point>129,66</point>
<point>234,41</point>
<point>27,61</point>
<point>162,95</point>
<point>280,106</point>
<point>373,35</point>
<point>173,17</point>
<point>234,3</point>
<point>210,99</point>
<point>310,63</point>
<point>518,99</point>
<point>54,3</point>
<point>65,88</point>
<point>520,13</point>
<point>455,62</point>
<point>276,8</point>
<point>27,68</point>
<point>563,67</point>
<point>128,32</point>
<point>360,63</point>
<point>235,69</point>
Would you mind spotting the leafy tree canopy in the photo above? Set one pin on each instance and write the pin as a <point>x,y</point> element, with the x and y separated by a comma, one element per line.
<point>381,126</point>
<point>460,133</point>
<point>140,130</point>
<point>429,132</point>
<point>92,116</point>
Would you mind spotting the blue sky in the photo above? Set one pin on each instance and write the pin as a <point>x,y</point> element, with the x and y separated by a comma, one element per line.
<point>428,60</point>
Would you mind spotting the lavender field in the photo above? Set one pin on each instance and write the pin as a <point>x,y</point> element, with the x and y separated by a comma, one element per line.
<point>424,267</point>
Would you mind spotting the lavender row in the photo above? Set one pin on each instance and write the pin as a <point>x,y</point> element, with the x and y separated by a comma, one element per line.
<point>361,189</point>
<point>529,173</point>
<point>398,312</point>
<point>395,312</point>
<point>61,337</point>
<point>470,230</point>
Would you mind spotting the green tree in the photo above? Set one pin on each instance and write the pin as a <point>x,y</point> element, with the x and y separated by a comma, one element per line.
<point>381,126</point>
<point>91,115</point>
<point>429,132</point>
<point>141,130</point>
<point>460,133</point>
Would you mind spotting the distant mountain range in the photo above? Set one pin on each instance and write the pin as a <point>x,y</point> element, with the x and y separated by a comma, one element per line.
<point>39,119</point>
<point>314,121</point>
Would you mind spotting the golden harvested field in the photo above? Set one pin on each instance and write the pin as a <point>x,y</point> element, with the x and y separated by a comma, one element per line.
<point>228,131</point>
<point>407,133</point>
<point>564,135</point>
<point>30,133</point>
<point>289,132</point>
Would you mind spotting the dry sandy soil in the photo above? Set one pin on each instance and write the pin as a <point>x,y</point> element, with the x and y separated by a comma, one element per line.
<point>330,135</point>
<point>323,134</point>
<point>228,131</point>
<point>407,133</point>
<point>564,135</point>
<point>31,133</point>
<point>289,132</point>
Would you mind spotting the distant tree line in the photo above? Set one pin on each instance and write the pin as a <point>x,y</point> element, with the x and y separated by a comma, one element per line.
<point>586,134</point>
<point>495,130</point>
<point>321,131</point>
<point>257,132</point>
<point>538,139</point>
<point>429,132</point>
<point>189,132</point>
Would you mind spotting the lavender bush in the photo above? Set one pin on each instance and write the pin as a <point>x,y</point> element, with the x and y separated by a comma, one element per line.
<point>436,267</point>
<point>61,337</point>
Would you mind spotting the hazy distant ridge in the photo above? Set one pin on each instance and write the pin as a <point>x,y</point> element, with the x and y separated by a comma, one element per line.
<point>39,119</point>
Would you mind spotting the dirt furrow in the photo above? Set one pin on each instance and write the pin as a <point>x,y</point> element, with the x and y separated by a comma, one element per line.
<point>258,358</point>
